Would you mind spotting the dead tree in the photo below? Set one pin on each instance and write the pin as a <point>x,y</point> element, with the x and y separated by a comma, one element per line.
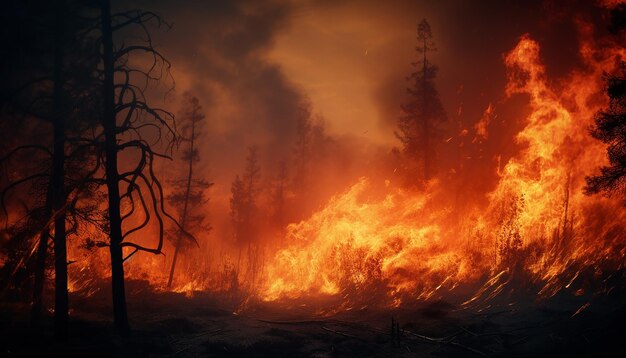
<point>125,101</point>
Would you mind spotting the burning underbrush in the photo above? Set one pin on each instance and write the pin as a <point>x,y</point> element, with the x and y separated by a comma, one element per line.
<point>380,245</point>
<point>347,250</point>
<point>539,232</point>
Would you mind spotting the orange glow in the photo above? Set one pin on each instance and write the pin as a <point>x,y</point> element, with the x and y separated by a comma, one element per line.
<point>378,244</point>
<point>538,222</point>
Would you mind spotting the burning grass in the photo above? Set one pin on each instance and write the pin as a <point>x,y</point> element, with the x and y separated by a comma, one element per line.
<point>380,245</point>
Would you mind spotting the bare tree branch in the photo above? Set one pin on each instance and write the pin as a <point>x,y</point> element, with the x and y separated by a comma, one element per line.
<point>23,147</point>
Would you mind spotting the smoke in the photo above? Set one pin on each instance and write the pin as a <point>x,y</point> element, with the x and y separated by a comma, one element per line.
<point>218,51</point>
<point>252,64</point>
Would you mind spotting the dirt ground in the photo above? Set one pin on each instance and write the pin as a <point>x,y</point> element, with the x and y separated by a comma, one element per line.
<point>174,325</point>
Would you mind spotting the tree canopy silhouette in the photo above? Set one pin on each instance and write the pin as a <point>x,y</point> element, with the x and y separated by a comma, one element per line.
<point>189,193</point>
<point>419,127</point>
<point>610,124</point>
<point>610,128</point>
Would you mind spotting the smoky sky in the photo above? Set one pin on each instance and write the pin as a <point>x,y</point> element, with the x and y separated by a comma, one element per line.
<point>252,63</point>
<point>217,50</point>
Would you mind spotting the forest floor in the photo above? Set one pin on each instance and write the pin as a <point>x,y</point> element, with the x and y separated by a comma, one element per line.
<point>174,325</point>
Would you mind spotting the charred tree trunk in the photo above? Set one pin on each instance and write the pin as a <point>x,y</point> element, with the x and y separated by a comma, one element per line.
<point>183,218</point>
<point>112,176</point>
<point>176,249</point>
<point>61,304</point>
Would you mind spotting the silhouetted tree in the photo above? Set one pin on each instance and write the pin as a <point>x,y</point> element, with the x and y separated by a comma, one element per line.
<point>190,192</point>
<point>123,98</point>
<point>302,150</point>
<point>243,202</point>
<point>252,179</point>
<point>418,128</point>
<point>309,149</point>
<point>25,62</point>
<point>243,206</point>
<point>278,193</point>
<point>610,124</point>
<point>617,19</point>
<point>43,87</point>
<point>238,209</point>
<point>61,304</point>
<point>610,128</point>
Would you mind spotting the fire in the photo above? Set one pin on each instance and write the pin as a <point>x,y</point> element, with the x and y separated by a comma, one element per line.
<point>355,246</point>
<point>370,251</point>
<point>538,224</point>
<point>379,244</point>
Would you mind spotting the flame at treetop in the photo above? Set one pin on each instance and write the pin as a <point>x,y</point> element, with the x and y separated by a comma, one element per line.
<point>538,227</point>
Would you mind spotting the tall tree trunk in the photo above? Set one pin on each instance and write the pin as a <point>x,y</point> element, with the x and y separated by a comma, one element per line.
<point>120,314</point>
<point>183,218</point>
<point>61,303</point>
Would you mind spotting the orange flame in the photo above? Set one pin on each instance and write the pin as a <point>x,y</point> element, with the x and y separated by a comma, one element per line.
<point>409,246</point>
<point>379,244</point>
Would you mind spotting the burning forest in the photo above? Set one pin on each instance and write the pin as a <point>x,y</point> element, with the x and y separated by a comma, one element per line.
<point>309,178</point>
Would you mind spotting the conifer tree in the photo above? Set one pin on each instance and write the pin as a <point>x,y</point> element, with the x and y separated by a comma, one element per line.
<point>419,127</point>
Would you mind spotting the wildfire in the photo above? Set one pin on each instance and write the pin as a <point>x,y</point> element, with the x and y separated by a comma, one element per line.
<point>379,244</point>
<point>354,246</point>
<point>538,224</point>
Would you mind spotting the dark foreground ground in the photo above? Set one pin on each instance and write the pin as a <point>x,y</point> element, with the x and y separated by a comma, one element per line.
<point>172,325</point>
